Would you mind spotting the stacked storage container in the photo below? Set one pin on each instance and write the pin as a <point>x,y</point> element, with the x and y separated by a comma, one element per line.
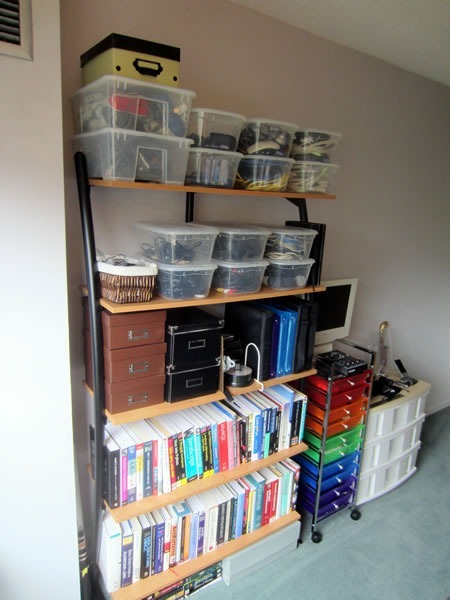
<point>131,127</point>
<point>183,256</point>
<point>287,251</point>
<point>313,171</point>
<point>213,160</point>
<point>266,145</point>
<point>238,252</point>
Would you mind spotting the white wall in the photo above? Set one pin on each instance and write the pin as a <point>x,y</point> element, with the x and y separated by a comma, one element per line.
<point>38,542</point>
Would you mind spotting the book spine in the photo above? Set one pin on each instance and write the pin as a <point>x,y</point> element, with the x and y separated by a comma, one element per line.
<point>190,456</point>
<point>159,548</point>
<point>127,560</point>
<point>172,463</point>
<point>215,447</point>
<point>194,536</point>
<point>139,471</point>
<point>222,433</point>
<point>123,476</point>
<point>112,477</point>
<point>267,502</point>
<point>221,520</point>
<point>201,533</point>
<point>147,469</point>
<point>146,552</point>
<point>181,464</point>
<point>132,474</point>
<point>295,422</point>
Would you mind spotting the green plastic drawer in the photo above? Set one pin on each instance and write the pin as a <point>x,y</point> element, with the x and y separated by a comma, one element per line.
<point>335,447</point>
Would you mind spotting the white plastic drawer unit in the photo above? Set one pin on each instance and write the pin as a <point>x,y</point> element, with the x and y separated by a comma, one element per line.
<point>377,482</point>
<point>396,414</point>
<point>387,447</point>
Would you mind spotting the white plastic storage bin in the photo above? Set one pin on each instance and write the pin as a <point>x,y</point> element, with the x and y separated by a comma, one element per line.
<point>290,243</point>
<point>379,481</point>
<point>288,274</point>
<point>239,277</point>
<point>266,136</point>
<point>314,144</point>
<point>263,173</point>
<point>308,176</point>
<point>188,243</point>
<point>392,416</point>
<point>240,243</point>
<point>387,447</point>
<point>133,156</point>
<point>124,103</point>
<point>184,282</point>
<point>210,128</point>
<point>212,168</point>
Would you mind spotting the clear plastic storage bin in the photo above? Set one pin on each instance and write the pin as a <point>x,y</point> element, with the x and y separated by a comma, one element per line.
<point>176,244</point>
<point>308,176</point>
<point>133,156</point>
<point>290,243</point>
<point>240,243</point>
<point>124,103</point>
<point>314,145</point>
<point>263,173</point>
<point>184,282</point>
<point>216,129</point>
<point>239,277</point>
<point>212,168</point>
<point>288,274</point>
<point>266,136</point>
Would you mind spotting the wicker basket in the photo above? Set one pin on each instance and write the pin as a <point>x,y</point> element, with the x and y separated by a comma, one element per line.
<point>125,284</point>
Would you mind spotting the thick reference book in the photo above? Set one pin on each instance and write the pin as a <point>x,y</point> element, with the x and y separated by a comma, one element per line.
<point>110,555</point>
<point>252,324</point>
<point>127,554</point>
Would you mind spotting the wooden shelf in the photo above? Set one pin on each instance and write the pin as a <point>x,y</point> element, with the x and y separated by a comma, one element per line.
<point>145,587</point>
<point>164,408</point>
<point>200,485</point>
<point>196,189</point>
<point>158,303</point>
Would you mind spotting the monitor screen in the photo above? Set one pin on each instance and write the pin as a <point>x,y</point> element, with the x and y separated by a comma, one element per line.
<point>335,309</point>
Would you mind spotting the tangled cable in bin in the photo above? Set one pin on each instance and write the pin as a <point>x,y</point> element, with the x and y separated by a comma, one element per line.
<point>285,248</point>
<point>275,178</point>
<point>314,142</point>
<point>264,138</point>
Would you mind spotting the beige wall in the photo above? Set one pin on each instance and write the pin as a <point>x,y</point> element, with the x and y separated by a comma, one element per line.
<point>389,225</point>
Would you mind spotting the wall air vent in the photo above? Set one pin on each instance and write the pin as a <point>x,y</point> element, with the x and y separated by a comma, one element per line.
<point>15,28</point>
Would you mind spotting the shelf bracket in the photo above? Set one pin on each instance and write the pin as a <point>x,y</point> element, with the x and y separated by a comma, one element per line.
<point>189,217</point>
<point>300,203</point>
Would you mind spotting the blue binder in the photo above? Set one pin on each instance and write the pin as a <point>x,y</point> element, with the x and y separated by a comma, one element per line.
<point>280,347</point>
<point>286,341</point>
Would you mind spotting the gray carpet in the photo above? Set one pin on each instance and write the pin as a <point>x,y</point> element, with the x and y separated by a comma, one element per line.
<point>398,550</point>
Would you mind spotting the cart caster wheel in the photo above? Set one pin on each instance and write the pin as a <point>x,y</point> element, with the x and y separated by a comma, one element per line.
<point>316,537</point>
<point>355,514</point>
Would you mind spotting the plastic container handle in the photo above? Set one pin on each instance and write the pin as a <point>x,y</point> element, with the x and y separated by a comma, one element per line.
<point>142,66</point>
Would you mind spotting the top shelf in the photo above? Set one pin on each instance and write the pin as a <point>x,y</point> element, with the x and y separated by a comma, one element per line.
<point>143,185</point>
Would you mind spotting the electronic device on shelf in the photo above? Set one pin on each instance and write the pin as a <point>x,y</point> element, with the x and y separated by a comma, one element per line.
<point>406,379</point>
<point>336,362</point>
<point>335,311</point>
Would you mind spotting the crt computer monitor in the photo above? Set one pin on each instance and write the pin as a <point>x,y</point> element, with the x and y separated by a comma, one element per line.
<point>335,311</point>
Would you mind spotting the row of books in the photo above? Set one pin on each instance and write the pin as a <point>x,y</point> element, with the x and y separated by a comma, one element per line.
<point>156,541</point>
<point>189,585</point>
<point>157,455</point>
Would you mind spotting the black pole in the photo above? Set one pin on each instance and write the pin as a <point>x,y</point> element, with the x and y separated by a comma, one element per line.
<point>96,346</point>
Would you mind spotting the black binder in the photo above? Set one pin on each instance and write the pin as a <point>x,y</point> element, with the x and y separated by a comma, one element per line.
<point>317,248</point>
<point>252,324</point>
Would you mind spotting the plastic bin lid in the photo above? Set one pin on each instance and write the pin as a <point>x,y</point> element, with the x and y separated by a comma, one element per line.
<point>218,112</point>
<point>133,83</point>
<point>270,158</point>
<point>243,229</point>
<point>260,120</point>
<point>290,262</point>
<point>313,163</point>
<point>213,151</point>
<point>132,133</point>
<point>237,264</point>
<point>294,231</point>
<point>187,267</point>
<point>313,130</point>
<point>174,229</point>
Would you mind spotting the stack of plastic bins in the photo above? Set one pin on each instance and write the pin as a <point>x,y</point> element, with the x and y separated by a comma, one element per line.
<point>213,160</point>
<point>334,431</point>
<point>238,252</point>
<point>392,442</point>
<point>132,130</point>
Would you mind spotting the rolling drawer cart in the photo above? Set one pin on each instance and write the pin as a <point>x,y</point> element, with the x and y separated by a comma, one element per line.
<point>96,307</point>
<point>338,398</point>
